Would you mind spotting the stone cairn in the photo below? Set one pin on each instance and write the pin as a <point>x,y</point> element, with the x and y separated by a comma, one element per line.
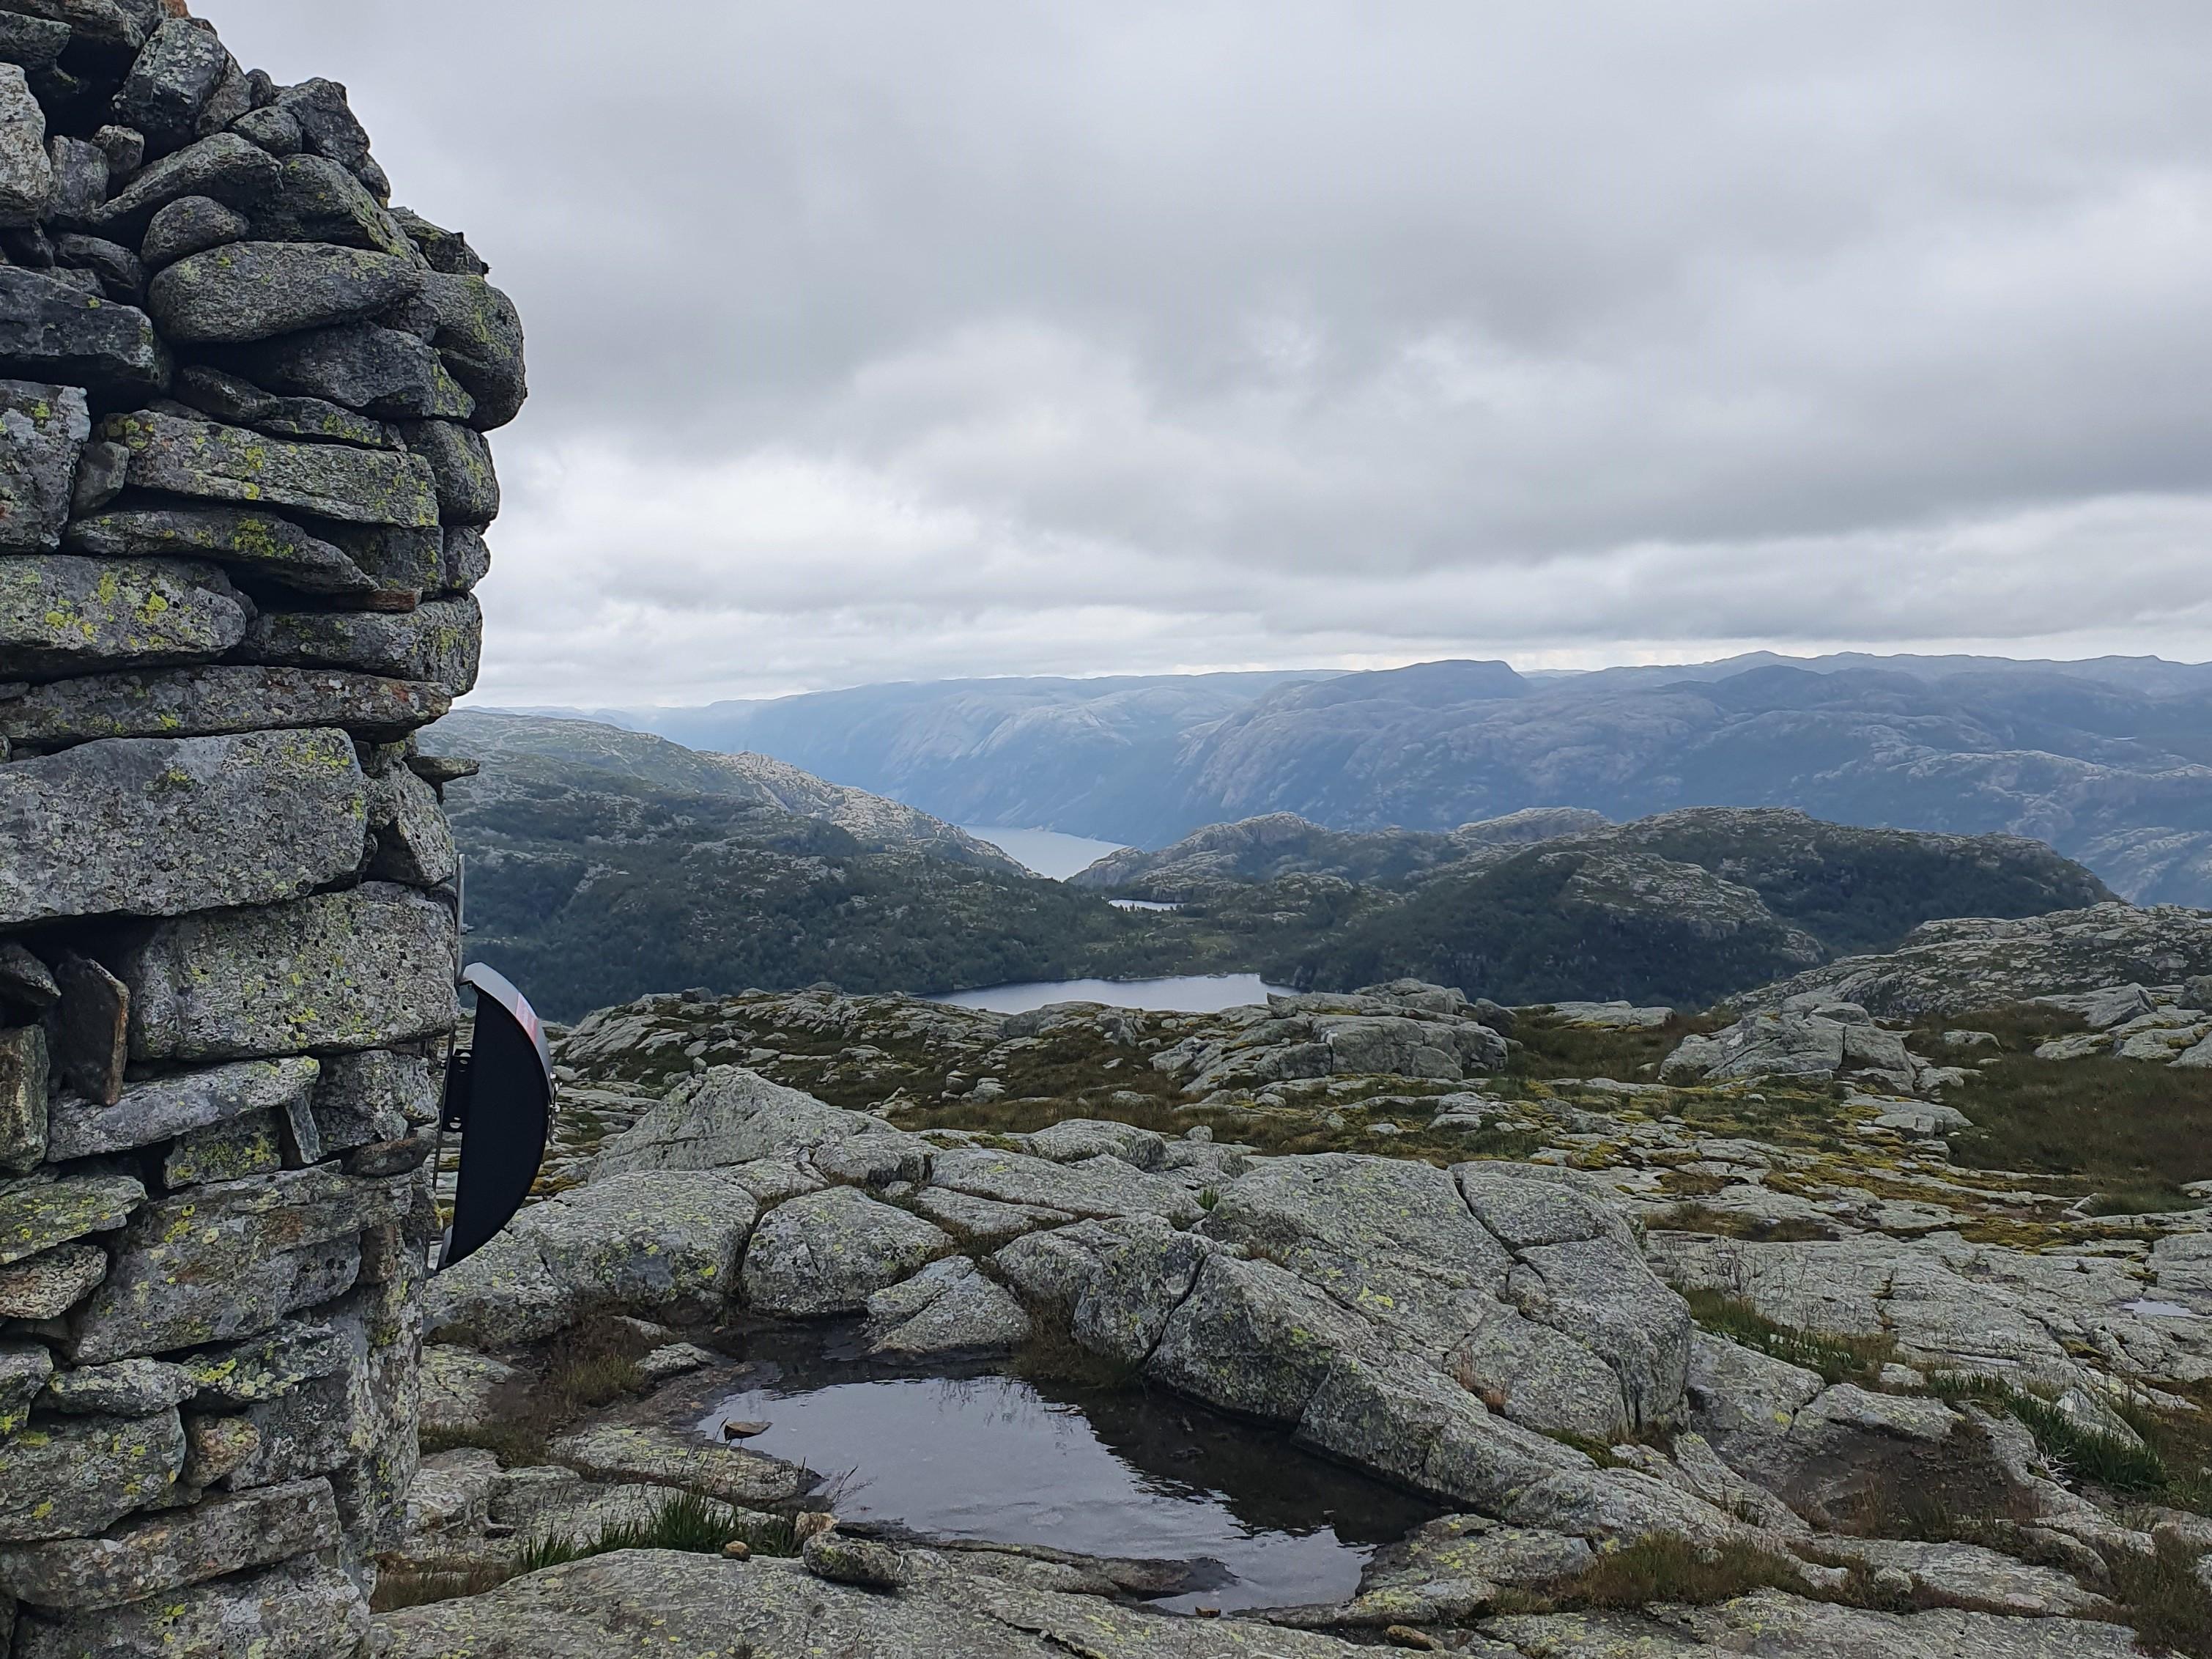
<point>243,485</point>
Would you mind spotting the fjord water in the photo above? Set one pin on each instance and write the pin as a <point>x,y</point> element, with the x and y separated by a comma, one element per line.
<point>1183,993</point>
<point>1093,1472</point>
<point>1046,851</point>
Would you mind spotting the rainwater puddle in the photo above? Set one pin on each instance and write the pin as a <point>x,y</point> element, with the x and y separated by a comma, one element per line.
<point>2144,1308</point>
<point>1093,1472</point>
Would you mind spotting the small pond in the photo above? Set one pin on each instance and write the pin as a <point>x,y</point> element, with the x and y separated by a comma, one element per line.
<point>1107,1472</point>
<point>1185,993</point>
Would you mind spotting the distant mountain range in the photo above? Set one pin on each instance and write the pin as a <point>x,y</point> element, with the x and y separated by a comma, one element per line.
<point>2110,761</point>
<point>603,864</point>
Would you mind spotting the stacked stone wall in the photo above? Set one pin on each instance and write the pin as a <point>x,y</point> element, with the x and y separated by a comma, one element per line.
<point>243,490</point>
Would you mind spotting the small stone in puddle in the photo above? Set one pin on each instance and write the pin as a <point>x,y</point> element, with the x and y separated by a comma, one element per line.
<point>846,1561</point>
<point>734,1430</point>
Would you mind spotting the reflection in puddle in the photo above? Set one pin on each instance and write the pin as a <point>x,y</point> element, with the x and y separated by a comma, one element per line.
<point>1097,1473</point>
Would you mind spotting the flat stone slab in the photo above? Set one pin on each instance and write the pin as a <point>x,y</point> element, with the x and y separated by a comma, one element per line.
<point>38,1215</point>
<point>155,1111</point>
<point>663,1457</point>
<point>303,1609</point>
<point>79,1475</point>
<point>362,968</point>
<point>217,700</point>
<point>245,291</point>
<point>53,331</point>
<point>222,1535</point>
<point>64,615</point>
<point>229,464</point>
<point>438,644</point>
<point>148,827</point>
<point>657,1602</point>
<point>262,542</point>
<point>230,1259</point>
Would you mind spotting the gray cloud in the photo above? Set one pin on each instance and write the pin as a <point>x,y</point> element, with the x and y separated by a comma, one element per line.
<point>873,341</point>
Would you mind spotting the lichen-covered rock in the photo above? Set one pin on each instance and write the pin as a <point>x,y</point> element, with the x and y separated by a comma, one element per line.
<point>698,1604</point>
<point>23,1075</point>
<point>655,1455</point>
<point>61,615</point>
<point>53,331</point>
<point>379,1095</point>
<point>664,1244</point>
<point>76,1475</point>
<point>216,700</point>
<point>724,1117</point>
<point>230,1259</point>
<point>245,291</point>
<point>439,643</point>
<point>468,486</point>
<point>1255,1338</point>
<point>459,1386</point>
<point>27,176</point>
<point>163,1107</point>
<point>24,1368</point>
<point>480,338</point>
<point>240,403</point>
<point>466,559</point>
<point>44,429</point>
<point>225,168</point>
<point>362,969</point>
<point>171,81</point>
<point>413,843</point>
<point>36,1214</point>
<point>828,1251</point>
<point>1602,1295</point>
<point>948,1307</point>
<point>189,225</point>
<point>1098,1188</point>
<point>128,1388</point>
<point>258,542</point>
<point>843,1560</point>
<point>249,1145</point>
<point>165,1553</point>
<point>144,826</point>
<point>302,1609</point>
<point>317,200</point>
<point>359,366</point>
<point>47,1285</point>
<point>229,464</point>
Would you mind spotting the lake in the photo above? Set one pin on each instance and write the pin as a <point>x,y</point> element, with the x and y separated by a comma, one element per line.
<point>1185,993</point>
<point>1046,851</point>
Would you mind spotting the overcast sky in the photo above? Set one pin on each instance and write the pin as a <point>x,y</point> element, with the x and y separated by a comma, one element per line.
<point>875,341</point>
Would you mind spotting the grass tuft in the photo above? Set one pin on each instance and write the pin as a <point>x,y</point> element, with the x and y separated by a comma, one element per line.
<point>2080,1450</point>
<point>1837,1357</point>
<point>2167,1601</point>
<point>1670,1569</point>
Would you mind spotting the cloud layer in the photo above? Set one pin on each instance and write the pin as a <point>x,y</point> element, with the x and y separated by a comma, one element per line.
<point>874,342</point>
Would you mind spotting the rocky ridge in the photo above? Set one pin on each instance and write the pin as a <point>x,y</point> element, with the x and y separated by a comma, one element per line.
<point>244,484</point>
<point>1592,1316</point>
